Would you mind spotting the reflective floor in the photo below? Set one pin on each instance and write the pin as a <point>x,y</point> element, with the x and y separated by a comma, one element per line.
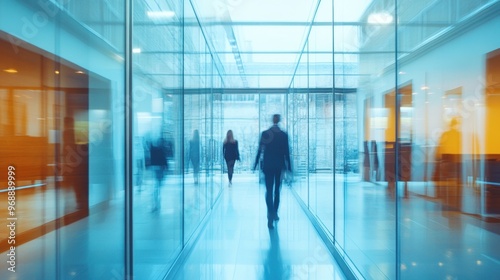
<point>236,243</point>
<point>436,241</point>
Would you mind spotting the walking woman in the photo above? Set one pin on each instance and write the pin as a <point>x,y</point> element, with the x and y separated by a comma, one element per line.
<point>231,154</point>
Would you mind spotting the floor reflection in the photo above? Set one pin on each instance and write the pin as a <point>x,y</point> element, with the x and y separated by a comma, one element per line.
<point>40,208</point>
<point>274,268</point>
<point>437,241</point>
<point>237,244</point>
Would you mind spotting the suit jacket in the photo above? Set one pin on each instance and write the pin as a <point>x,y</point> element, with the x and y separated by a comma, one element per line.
<point>274,147</point>
<point>158,156</point>
<point>231,151</point>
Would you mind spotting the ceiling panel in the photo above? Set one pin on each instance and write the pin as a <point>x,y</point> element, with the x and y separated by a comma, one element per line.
<point>264,38</point>
<point>259,43</point>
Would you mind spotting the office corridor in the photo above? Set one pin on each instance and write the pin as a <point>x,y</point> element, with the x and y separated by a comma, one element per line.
<point>236,243</point>
<point>114,115</point>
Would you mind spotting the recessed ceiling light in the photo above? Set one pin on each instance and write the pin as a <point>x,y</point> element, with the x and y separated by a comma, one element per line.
<point>380,18</point>
<point>57,72</point>
<point>160,14</point>
<point>10,70</point>
<point>79,72</point>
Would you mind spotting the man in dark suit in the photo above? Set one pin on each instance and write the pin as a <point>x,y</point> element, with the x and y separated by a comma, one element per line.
<point>276,158</point>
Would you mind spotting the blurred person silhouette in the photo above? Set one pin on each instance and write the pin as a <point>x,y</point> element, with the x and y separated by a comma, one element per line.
<point>74,170</point>
<point>273,145</point>
<point>194,155</point>
<point>231,154</point>
<point>447,167</point>
<point>140,161</point>
<point>159,166</point>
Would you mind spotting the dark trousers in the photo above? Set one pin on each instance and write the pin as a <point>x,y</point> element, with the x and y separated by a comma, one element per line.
<point>159,172</point>
<point>273,180</point>
<point>230,168</point>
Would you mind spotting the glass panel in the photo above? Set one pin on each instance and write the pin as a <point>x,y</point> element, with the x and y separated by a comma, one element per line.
<point>217,134</point>
<point>63,132</point>
<point>321,157</point>
<point>157,137</point>
<point>365,51</point>
<point>321,126</point>
<point>197,128</point>
<point>448,151</point>
<point>240,112</point>
<point>300,126</point>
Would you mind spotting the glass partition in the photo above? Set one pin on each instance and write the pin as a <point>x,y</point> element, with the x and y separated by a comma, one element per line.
<point>216,162</point>
<point>370,209</point>
<point>157,117</point>
<point>195,130</point>
<point>413,156</point>
<point>62,138</point>
<point>446,153</point>
<point>321,117</point>
<point>299,113</point>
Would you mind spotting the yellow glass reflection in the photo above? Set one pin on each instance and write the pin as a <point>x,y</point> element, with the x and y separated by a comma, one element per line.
<point>44,136</point>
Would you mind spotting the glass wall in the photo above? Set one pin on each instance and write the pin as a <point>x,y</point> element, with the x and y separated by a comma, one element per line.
<point>197,124</point>
<point>412,87</point>
<point>298,102</point>
<point>448,156</point>
<point>175,116</point>
<point>64,123</point>
<point>62,138</point>
<point>157,117</point>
